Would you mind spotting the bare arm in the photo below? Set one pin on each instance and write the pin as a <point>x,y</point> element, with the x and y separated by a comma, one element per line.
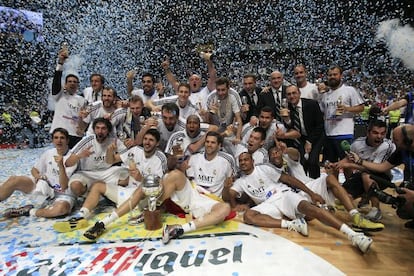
<point>74,158</point>
<point>294,182</point>
<point>36,174</point>
<point>130,78</point>
<point>395,105</point>
<point>354,109</point>
<point>111,156</point>
<point>212,75</point>
<point>169,75</point>
<point>63,177</point>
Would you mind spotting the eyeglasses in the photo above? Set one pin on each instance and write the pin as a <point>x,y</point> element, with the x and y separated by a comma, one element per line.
<point>72,81</point>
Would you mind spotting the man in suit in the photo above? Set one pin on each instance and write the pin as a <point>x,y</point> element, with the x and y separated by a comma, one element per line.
<point>307,118</point>
<point>250,97</point>
<point>273,95</point>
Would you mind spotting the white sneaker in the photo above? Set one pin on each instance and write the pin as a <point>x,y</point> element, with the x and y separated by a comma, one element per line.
<point>361,241</point>
<point>299,225</point>
<point>374,215</point>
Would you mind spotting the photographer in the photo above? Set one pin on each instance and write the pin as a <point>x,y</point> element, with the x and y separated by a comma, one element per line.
<point>403,138</point>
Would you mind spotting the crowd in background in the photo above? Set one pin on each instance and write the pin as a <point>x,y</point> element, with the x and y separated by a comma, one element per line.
<point>248,37</point>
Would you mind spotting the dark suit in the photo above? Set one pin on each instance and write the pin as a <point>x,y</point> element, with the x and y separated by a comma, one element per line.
<point>314,125</point>
<point>253,107</point>
<point>267,99</point>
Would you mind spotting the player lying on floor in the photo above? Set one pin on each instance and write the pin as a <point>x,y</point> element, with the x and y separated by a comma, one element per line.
<point>264,184</point>
<point>327,186</point>
<point>179,189</point>
<point>49,178</point>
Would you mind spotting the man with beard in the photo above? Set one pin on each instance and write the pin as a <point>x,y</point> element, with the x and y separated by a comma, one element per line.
<point>198,94</point>
<point>101,109</point>
<point>141,161</point>
<point>250,96</point>
<point>94,92</point>
<point>270,189</point>
<point>188,141</point>
<point>373,148</point>
<point>167,125</point>
<point>211,169</point>
<point>307,89</point>
<point>254,146</point>
<point>176,186</point>
<point>224,104</point>
<point>339,106</point>
<point>67,102</point>
<point>148,91</point>
<point>90,155</point>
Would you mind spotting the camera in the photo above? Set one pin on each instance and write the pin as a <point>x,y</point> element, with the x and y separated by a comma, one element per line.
<point>395,202</point>
<point>376,190</point>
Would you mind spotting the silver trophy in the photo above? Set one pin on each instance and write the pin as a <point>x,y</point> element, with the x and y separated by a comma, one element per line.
<point>205,50</point>
<point>152,188</point>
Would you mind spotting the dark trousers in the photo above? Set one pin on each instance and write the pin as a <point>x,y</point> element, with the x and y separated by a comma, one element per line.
<point>73,140</point>
<point>311,165</point>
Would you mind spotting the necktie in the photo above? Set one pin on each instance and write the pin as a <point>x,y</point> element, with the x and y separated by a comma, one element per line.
<point>296,119</point>
<point>253,99</point>
<point>296,123</point>
<point>277,113</point>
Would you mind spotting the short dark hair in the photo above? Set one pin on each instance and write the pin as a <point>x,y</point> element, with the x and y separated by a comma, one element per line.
<point>267,109</point>
<point>97,75</point>
<point>154,132</point>
<point>262,132</point>
<point>111,88</point>
<point>217,135</point>
<point>223,80</point>
<point>61,130</point>
<point>147,74</point>
<point>250,75</point>
<point>71,76</point>
<point>184,85</point>
<point>335,66</point>
<point>172,108</point>
<point>376,123</point>
<point>104,121</point>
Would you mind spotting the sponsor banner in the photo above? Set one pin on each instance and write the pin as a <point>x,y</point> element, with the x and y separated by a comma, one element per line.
<point>246,252</point>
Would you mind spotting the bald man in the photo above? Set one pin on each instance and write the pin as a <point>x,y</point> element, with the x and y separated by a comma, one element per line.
<point>273,95</point>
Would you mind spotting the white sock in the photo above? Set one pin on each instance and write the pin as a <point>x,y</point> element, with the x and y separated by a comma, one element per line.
<point>188,227</point>
<point>285,223</point>
<point>347,230</point>
<point>110,218</point>
<point>353,212</point>
<point>32,212</point>
<point>84,212</point>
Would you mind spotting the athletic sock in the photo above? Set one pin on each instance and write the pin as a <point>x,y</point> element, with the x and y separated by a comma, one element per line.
<point>110,218</point>
<point>347,230</point>
<point>83,213</point>
<point>353,212</point>
<point>32,212</point>
<point>188,227</point>
<point>285,223</point>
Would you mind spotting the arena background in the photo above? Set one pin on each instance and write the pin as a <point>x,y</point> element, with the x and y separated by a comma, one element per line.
<point>112,37</point>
